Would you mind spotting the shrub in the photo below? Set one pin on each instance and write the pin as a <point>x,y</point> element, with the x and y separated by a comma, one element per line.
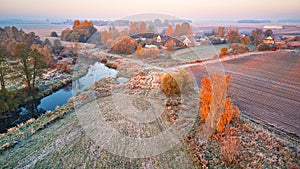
<point>176,83</point>
<point>223,51</point>
<point>229,150</point>
<point>148,52</point>
<point>169,85</point>
<point>53,34</point>
<point>239,48</point>
<point>264,47</point>
<point>214,109</point>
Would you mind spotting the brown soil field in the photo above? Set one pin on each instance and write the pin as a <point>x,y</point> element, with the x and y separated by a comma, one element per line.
<point>265,87</point>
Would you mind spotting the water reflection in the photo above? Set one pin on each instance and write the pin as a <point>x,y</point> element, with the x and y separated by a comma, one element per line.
<point>58,98</point>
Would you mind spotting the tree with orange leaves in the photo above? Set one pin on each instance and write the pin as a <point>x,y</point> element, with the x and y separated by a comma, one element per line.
<point>211,102</point>
<point>170,31</point>
<point>143,27</point>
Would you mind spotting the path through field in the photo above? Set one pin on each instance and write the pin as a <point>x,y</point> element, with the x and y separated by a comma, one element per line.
<point>266,87</point>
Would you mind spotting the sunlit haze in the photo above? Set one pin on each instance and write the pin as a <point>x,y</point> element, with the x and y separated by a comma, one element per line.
<point>112,9</point>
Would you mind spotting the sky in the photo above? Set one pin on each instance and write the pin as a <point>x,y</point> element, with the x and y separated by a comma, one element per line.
<point>118,9</point>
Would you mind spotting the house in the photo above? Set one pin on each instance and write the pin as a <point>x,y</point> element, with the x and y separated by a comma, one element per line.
<point>158,39</point>
<point>269,40</point>
<point>187,41</point>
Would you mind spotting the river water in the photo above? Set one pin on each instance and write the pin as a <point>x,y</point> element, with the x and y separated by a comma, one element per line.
<point>58,98</point>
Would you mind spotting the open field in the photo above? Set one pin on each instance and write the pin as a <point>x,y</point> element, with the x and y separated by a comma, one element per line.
<point>266,87</point>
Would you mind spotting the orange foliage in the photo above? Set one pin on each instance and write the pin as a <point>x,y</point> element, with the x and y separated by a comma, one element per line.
<point>124,45</point>
<point>170,31</point>
<point>143,28</point>
<point>206,99</point>
<point>169,45</point>
<point>138,49</point>
<point>77,23</point>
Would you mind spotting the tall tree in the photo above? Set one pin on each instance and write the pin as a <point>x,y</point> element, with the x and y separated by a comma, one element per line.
<point>233,35</point>
<point>31,64</point>
<point>4,69</point>
<point>256,36</point>
<point>22,51</point>
<point>143,27</point>
<point>170,31</point>
<point>37,64</point>
<point>133,28</point>
<point>177,31</point>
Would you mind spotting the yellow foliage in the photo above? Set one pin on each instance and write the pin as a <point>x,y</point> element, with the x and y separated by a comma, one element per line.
<point>176,83</point>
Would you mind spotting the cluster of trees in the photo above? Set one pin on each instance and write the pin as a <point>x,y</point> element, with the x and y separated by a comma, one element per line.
<point>180,29</point>
<point>23,56</point>
<point>140,28</point>
<point>80,32</point>
<point>108,37</point>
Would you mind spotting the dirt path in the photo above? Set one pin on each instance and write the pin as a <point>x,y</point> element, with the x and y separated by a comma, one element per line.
<point>266,87</point>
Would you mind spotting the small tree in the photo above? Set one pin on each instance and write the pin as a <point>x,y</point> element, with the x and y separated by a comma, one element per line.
<point>223,51</point>
<point>53,34</point>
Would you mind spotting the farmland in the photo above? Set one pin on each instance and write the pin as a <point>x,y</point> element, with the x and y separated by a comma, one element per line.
<point>266,87</point>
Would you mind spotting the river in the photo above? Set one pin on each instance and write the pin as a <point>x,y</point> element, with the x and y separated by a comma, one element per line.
<point>58,98</point>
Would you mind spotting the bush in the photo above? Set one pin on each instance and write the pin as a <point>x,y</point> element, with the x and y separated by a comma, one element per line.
<point>229,150</point>
<point>264,47</point>
<point>239,48</point>
<point>53,34</point>
<point>223,51</point>
<point>148,52</point>
<point>176,83</point>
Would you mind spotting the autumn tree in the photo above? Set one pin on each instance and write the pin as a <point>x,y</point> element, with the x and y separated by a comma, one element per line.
<point>133,29</point>
<point>245,40</point>
<point>124,45</point>
<point>170,46</point>
<point>219,32</point>
<point>223,51</point>
<point>215,109</point>
<point>104,37</point>
<point>169,31</point>
<point>177,31</point>
<point>256,36</point>
<point>233,35</point>
<point>31,64</point>
<point>186,29</point>
<point>143,27</point>
<point>76,24</point>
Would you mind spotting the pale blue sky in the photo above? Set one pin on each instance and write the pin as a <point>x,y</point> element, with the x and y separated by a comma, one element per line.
<point>194,9</point>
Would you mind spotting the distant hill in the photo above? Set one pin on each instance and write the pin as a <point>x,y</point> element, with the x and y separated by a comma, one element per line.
<point>254,21</point>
